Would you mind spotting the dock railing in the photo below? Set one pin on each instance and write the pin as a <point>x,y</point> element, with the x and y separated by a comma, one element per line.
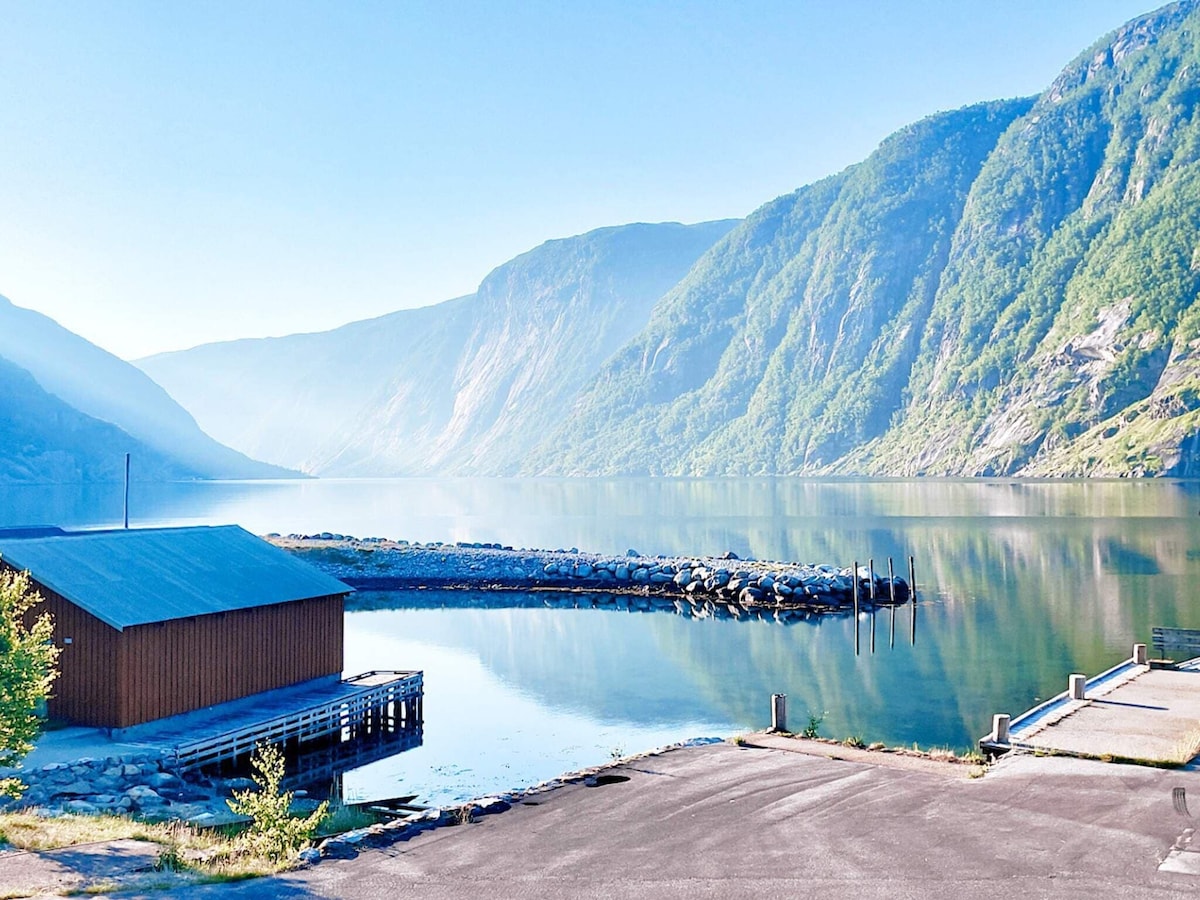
<point>380,701</point>
<point>1165,640</point>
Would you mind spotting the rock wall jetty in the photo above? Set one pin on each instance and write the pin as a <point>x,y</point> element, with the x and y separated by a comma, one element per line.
<point>381,564</point>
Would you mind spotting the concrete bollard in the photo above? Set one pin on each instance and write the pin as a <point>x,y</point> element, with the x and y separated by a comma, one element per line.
<point>1000,728</point>
<point>779,712</point>
<point>1139,654</point>
<point>1076,685</point>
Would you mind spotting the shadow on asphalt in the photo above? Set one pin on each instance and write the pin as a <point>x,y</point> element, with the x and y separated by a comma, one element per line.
<point>268,887</point>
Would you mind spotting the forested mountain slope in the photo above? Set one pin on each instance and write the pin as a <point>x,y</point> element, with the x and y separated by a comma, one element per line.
<point>1006,289</point>
<point>791,342</point>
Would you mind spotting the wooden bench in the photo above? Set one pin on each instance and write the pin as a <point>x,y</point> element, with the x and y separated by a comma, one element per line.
<point>1176,639</point>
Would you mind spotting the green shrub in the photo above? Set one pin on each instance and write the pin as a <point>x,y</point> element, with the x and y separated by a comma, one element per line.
<point>813,728</point>
<point>274,833</point>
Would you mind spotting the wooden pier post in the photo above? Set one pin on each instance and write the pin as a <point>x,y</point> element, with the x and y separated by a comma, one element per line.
<point>1139,654</point>
<point>871,592</point>
<point>854,579</point>
<point>912,596</point>
<point>892,603</point>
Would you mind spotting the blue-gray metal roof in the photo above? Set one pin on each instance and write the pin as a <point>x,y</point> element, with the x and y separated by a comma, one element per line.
<point>143,575</point>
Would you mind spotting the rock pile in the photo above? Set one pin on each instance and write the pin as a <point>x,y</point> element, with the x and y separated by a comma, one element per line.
<point>139,783</point>
<point>749,583</point>
<point>114,785</point>
<point>378,564</point>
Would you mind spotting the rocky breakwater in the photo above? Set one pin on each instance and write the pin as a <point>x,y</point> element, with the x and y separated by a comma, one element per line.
<point>749,583</point>
<point>381,564</point>
<point>141,784</point>
<point>118,784</point>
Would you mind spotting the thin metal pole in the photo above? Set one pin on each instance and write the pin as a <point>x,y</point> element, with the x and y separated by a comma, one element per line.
<point>854,579</point>
<point>126,490</point>
<point>871,588</point>
<point>912,594</point>
<point>892,602</point>
<point>872,629</point>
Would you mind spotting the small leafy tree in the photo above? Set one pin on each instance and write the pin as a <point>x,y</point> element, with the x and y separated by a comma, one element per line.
<point>27,669</point>
<point>274,833</point>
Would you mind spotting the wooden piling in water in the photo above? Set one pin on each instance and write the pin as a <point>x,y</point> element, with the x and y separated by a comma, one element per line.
<point>871,582</point>
<point>892,602</point>
<point>854,580</point>
<point>912,595</point>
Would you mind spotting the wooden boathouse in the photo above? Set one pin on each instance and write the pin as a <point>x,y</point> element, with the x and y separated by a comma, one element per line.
<point>155,622</point>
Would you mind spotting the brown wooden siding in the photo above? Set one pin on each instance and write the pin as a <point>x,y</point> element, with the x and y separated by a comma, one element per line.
<point>115,679</point>
<point>185,664</point>
<point>85,690</point>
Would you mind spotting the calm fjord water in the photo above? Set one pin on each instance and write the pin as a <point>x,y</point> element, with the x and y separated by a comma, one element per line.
<point>1021,583</point>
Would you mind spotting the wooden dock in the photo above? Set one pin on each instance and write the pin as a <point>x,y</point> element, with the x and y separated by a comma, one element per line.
<point>375,704</point>
<point>326,762</point>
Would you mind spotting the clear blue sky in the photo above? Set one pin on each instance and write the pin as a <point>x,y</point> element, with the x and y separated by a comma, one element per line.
<point>180,172</point>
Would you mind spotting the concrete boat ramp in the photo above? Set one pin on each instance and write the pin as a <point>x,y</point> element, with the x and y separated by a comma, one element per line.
<point>788,821</point>
<point>1138,711</point>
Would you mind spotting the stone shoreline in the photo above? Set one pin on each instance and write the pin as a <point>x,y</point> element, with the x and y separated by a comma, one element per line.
<point>381,564</point>
<point>141,783</point>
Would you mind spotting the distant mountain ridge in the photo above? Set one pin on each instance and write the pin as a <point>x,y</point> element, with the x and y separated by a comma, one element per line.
<point>468,386</point>
<point>1005,289</point>
<point>47,441</point>
<point>69,411</point>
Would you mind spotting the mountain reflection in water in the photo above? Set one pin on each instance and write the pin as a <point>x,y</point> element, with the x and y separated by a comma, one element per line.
<point>1021,584</point>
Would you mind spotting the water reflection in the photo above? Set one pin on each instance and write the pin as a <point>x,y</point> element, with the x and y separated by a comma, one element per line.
<point>515,696</point>
<point>1022,583</point>
<point>556,680</point>
<point>780,518</point>
<point>675,604</point>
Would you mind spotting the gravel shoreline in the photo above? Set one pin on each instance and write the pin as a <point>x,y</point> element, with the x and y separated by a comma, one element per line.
<point>378,564</point>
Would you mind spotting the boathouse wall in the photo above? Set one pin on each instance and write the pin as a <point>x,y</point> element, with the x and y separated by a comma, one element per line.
<point>86,689</point>
<point>166,668</point>
<point>116,679</point>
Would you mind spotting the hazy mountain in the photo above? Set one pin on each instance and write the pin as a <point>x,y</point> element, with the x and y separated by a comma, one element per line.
<point>466,386</point>
<point>1006,289</point>
<point>43,440</point>
<point>69,406</point>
